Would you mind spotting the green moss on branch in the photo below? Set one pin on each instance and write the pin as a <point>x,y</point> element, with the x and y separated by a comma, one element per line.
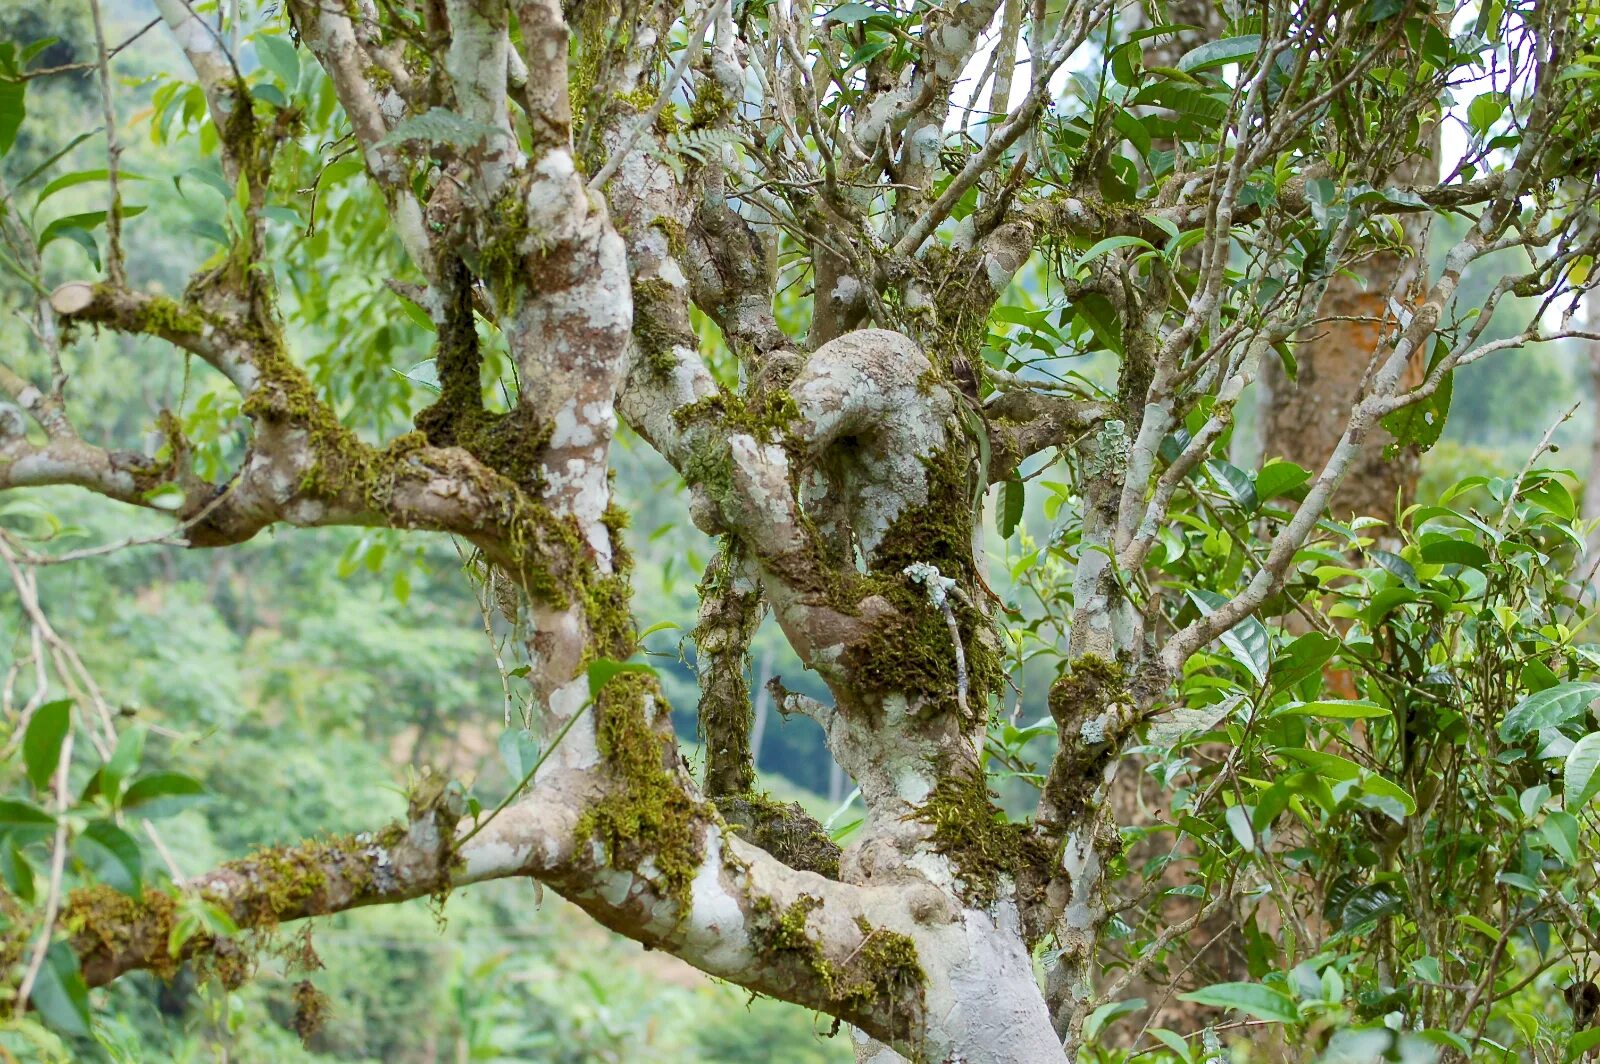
<point>648,823</point>
<point>882,975</point>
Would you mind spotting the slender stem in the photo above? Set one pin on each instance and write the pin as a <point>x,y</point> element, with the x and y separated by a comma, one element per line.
<point>114,263</point>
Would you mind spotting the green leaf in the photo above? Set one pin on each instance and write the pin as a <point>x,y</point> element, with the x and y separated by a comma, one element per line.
<point>1302,658</point>
<point>124,761</point>
<point>41,745</point>
<point>1263,1002</point>
<point>1248,640</point>
<point>1009,515</point>
<point>848,13</point>
<point>1579,781</point>
<point>1331,766</point>
<point>1279,478</point>
<point>1560,830</point>
<point>440,125</point>
<point>269,94</point>
<point>1175,1042</point>
<point>12,110</point>
<point>58,155</point>
<point>162,794</point>
<point>86,221</point>
<point>1103,1015</point>
<point>167,497</point>
<point>1113,243</point>
<point>1397,566</point>
<point>1553,497</point>
<point>1096,310</point>
<point>112,855</point>
<point>1238,818</point>
<point>1205,109</point>
<point>519,749</point>
<point>602,670</point>
<point>211,231</point>
<point>1220,53</point>
<point>1389,797</point>
<point>1335,710</point>
<point>17,870</point>
<point>15,815</point>
<point>279,56</point>
<point>1485,110</point>
<point>1369,904</point>
<point>1480,925</point>
<point>1236,482</point>
<point>1420,424</point>
<point>207,176</point>
<point>1549,708</point>
<point>1581,1042</point>
<point>1455,552</point>
<point>84,239</point>
<point>80,177</point>
<point>425,373</point>
<point>60,994</point>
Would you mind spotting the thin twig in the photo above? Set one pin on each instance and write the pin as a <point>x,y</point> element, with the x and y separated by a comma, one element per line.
<point>58,864</point>
<point>114,265</point>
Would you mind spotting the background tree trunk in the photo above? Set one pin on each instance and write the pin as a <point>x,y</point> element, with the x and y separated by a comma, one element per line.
<point>1302,419</point>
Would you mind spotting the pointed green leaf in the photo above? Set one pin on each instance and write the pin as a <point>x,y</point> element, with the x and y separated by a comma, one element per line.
<point>112,855</point>
<point>1248,640</point>
<point>162,794</point>
<point>279,56</point>
<point>41,745</point>
<point>12,110</point>
<point>1579,780</point>
<point>602,670</point>
<point>1113,243</point>
<point>519,749</point>
<point>59,993</point>
<point>1220,53</point>
<point>1332,710</point>
<point>1009,515</point>
<point>1263,1002</point>
<point>1549,708</point>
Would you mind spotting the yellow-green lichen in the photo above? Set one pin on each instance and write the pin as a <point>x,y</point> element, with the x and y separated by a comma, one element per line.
<point>660,322</point>
<point>109,926</point>
<point>974,834</point>
<point>883,974</point>
<point>642,99</point>
<point>910,650</point>
<point>502,259</point>
<point>673,230</point>
<point>783,829</point>
<point>1091,686</point>
<point>648,818</point>
<point>288,882</point>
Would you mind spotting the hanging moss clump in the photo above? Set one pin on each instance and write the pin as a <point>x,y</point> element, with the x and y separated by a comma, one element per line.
<point>974,834</point>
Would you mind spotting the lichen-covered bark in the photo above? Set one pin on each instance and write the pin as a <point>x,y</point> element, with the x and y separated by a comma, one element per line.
<point>845,469</point>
